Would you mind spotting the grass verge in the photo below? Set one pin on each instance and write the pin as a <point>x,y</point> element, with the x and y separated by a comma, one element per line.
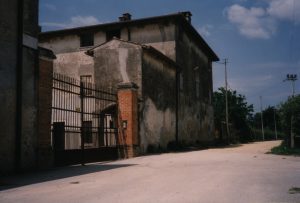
<point>282,149</point>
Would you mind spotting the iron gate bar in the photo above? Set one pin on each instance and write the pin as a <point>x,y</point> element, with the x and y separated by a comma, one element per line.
<point>76,104</point>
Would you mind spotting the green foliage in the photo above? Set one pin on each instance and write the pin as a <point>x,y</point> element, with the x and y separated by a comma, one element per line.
<point>268,118</point>
<point>284,150</point>
<point>240,112</point>
<point>288,109</point>
<point>269,134</point>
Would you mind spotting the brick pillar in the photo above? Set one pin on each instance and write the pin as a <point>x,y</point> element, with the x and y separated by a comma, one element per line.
<point>44,83</point>
<point>128,119</point>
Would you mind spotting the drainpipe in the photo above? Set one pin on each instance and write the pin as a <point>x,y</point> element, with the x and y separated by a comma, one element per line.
<point>177,103</point>
<point>19,66</point>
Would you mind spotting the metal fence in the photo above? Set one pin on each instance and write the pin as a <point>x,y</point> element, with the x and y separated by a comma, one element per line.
<point>84,116</point>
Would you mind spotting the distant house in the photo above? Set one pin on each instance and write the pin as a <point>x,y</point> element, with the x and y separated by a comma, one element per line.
<point>164,56</point>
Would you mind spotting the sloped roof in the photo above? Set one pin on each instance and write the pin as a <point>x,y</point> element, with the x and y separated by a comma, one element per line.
<point>180,17</point>
<point>148,48</point>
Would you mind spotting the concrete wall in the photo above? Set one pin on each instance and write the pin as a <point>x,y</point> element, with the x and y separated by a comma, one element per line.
<point>25,156</point>
<point>195,113</point>
<point>157,111</point>
<point>8,63</point>
<point>72,61</point>
<point>118,62</point>
<point>160,36</point>
<point>121,62</point>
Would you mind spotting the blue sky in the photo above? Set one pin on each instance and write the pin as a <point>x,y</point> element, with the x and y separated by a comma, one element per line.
<point>260,38</point>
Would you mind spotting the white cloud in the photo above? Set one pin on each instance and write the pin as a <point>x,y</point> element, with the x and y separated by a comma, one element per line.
<point>75,21</point>
<point>253,22</point>
<point>262,22</point>
<point>284,10</point>
<point>205,30</point>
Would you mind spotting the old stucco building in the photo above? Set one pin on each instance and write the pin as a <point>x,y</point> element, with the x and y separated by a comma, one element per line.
<point>164,56</point>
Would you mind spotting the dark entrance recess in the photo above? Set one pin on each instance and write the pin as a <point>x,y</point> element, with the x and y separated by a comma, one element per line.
<point>84,122</point>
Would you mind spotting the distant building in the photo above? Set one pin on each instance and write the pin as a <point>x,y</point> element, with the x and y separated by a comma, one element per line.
<point>164,56</point>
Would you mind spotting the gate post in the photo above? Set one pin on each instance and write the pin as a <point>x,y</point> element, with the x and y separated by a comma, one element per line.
<point>128,119</point>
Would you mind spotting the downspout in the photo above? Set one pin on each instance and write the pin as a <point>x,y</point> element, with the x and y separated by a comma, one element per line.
<point>177,104</point>
<point>19,68</point>
<point>176,84</point>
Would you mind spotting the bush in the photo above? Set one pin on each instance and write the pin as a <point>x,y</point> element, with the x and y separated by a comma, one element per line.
<point>269,134</point>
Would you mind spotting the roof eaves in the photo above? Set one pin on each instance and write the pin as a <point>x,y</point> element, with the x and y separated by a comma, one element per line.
<point>105,25</point>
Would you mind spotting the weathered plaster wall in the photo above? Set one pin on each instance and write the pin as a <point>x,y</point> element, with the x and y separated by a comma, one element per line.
<point>160,36</point>
<point>8,55</point>
<point>195,113</point>
<point>71,59</point>
<point>74,64</point>
<point>29,109</point>
<point>27,117</point>
<point>63,44</point>
<point>157,117</point>
<point>117,62</point>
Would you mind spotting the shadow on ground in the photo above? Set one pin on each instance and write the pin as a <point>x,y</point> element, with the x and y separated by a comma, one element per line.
<point>54,174</point>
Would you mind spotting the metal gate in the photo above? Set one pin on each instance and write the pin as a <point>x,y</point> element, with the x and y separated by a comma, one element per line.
<point>84,121</point>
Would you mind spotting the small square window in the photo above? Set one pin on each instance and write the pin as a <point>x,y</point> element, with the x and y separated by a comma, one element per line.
<point>113,33</point>
<point>86,40</point>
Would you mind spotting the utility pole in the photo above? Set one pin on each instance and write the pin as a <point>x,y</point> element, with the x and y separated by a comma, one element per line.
<point>292,78</point>
<point>262,120</point>
<point>276,137</point>
<point>226,100</point>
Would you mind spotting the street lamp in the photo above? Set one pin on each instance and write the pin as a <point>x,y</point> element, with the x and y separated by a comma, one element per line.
<point>292,78</point>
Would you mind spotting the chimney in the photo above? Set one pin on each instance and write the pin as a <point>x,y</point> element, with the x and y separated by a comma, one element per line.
<point>188,16</point>
<point>125,17</point>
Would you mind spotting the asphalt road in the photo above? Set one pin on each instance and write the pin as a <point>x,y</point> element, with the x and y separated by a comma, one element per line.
<point>236,174</point>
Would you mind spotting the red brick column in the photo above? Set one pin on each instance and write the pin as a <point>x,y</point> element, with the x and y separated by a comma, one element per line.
<point>45,153</point>
<point>128,119</point>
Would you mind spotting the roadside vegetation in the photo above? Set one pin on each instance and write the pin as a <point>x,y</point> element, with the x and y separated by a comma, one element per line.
<point>245,125</point>
<point>283,149</point>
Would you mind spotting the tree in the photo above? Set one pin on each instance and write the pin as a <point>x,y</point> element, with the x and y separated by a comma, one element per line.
<point>289,109</point>
<point>240,114</point>
<point>269,124</point>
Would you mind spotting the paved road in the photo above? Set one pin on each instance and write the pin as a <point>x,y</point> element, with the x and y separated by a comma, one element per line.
<point>237,174</point>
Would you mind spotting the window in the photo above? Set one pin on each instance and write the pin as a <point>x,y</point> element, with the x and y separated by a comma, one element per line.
<point>86,40</point>
<point>87,84</point>
<point>113,33</point>
<point>87,131</point>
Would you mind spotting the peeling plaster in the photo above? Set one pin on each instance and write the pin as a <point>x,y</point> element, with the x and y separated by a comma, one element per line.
<point>123,57</point>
